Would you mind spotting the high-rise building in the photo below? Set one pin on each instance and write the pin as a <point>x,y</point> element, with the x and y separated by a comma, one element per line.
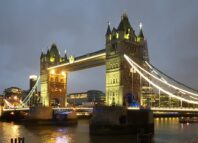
<point>32,81</point>
<point>35,98</point>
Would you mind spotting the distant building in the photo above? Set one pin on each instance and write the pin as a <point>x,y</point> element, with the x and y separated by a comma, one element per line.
<point>13,95</point>
<point>91,96</point>
<point>32,80</point>
<point>35,99</point>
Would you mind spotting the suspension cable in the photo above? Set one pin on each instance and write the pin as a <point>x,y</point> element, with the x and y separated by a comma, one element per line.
<point>163,81</point>
<point>156,86</point>
<point>175,87</point>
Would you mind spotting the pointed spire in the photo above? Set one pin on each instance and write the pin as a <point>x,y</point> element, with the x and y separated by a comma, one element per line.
<point>41,54</point>
<point>48,53</point>
<point>108,29</point>
<point>124,23</point>
<point>141,35</point>
<point>66,55</point>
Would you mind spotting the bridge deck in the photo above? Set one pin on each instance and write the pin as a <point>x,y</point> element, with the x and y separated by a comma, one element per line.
<point>82,62</point>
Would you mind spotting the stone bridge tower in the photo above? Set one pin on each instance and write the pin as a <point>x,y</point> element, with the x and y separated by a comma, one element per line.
<point>120,82</point>
<point>53,82</point>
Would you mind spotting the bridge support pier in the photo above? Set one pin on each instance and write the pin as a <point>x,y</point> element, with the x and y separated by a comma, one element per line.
<point>119,120</point>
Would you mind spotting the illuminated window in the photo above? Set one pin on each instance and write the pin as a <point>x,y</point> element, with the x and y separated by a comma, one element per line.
<point>52,59</point>
<point>110,37</point>
<point>117,35</point>
<point>126,36</point>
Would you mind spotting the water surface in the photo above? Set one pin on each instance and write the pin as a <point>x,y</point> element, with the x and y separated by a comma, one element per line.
<point>167,130</point>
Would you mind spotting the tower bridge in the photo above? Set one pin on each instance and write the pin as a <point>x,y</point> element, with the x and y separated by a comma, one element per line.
<point>82,62</point>
<point>55,69</point>
<point>128,78</point>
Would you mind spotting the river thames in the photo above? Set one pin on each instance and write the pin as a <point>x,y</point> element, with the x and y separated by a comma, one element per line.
<point>167,130</point>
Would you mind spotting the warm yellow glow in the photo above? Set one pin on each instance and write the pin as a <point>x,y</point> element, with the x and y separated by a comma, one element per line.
<point>15,97</point>
<point>164,109</point>
<point>52,71</point>
<point>138,39</point>
<point>126,36</point>
<point>110,37</point>
<point>52,59</point>
<point>117,35</point>
<point>80,60</point>
<point>63,73</point>
<point>71,59</point>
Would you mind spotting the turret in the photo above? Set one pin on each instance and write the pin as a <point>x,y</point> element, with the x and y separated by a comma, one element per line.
<point>54,54</point>
<point>140,35</point>
<point>108,33</point>
<point>125,29</point>
<point>42,55</point>
<point>48,55</point>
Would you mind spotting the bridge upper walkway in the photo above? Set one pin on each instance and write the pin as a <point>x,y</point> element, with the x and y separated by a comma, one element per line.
<point>82,62</point>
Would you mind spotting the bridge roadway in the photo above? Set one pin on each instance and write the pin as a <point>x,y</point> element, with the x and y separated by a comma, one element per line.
<point>155,109</point>
<point>83,62</point>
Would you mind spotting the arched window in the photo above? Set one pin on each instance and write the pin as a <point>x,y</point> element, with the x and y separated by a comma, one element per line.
<point>56,79</point>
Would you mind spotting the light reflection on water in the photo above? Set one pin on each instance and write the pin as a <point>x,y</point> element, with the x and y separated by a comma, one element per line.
<point>167,130</point>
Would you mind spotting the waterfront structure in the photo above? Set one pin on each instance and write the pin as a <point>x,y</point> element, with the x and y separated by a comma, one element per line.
<point>90,98</point>
<point>13,95</point>
<point>125,84</point>
<point>53,83</point>
<point>119,81</point>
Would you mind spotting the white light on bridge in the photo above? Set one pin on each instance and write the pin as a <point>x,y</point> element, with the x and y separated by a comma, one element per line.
<point>63,73</point>
<point>33,77</point>
<point>140,25</point>
<point>52,71</point>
